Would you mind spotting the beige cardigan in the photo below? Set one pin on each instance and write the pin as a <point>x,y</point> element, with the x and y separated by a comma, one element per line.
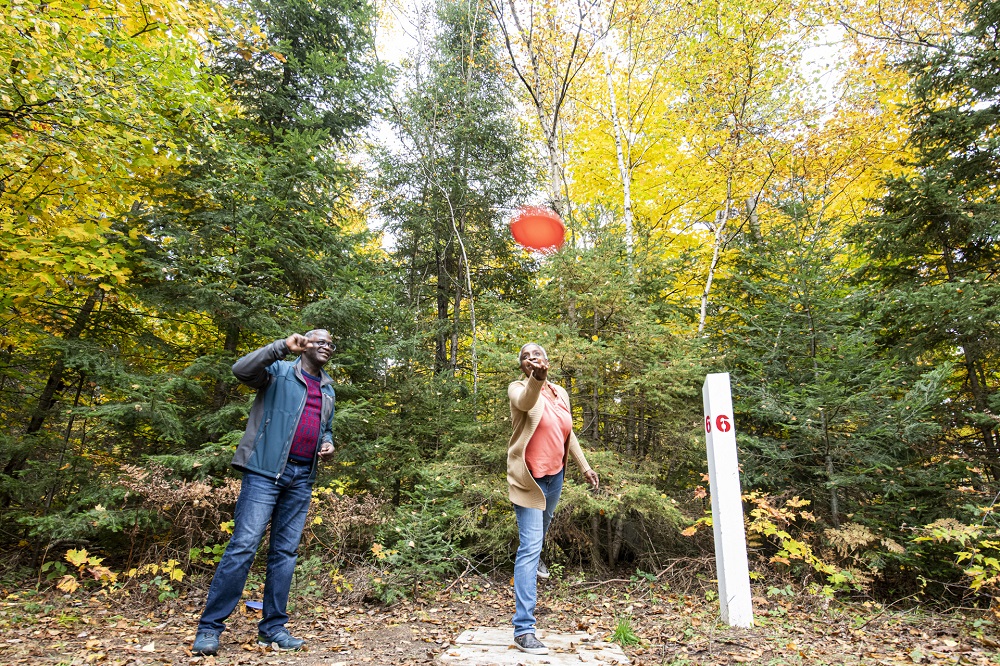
<point>525,412</point>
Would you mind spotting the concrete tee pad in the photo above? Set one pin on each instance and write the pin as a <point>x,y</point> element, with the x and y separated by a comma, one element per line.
<point>494,646</point>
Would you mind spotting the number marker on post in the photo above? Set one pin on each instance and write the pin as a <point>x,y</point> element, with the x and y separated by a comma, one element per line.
<point>727,505</point>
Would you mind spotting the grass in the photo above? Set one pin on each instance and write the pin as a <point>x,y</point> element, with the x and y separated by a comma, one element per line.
<point>624,634</point>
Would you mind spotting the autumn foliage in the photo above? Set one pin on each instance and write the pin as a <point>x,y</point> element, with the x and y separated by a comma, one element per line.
<point>803,194</point>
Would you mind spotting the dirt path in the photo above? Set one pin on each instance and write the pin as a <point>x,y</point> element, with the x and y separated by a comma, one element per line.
<point>674,629</point>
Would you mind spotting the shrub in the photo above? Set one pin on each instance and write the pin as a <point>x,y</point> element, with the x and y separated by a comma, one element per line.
<point>418,545</point>
<point>341,526</point>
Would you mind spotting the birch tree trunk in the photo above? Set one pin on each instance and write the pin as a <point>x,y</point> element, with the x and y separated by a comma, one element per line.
<point>624,168</point>
<point>717,244</point>
<point>547,50</point>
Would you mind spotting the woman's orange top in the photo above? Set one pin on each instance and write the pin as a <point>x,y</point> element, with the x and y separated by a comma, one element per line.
<point>546,449</point>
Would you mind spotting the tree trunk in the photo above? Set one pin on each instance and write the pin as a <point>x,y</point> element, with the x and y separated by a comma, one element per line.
<point>59,465</point>
<point>442,324</point>
<point>834,500</point>
<point>464,262</point>
<point>631,428</point>
<point>614,551</point>
<point>456,322</point>
<point>972,362</point>
<point>54,383</point>
<point>595,406</point>
<point>624,168</point>
<point>720,236</point>
<point>62,454</point>
<point>557,197</point>
<point>231,344</point>
<point>828,445</point>
<point>981,401</point>
<point>595,538</point>
<point>589,415</point>
<point>752,218</point>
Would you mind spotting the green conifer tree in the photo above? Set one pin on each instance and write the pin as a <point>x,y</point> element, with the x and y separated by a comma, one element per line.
<point>933,245</point>
<point>251,232</point>
<point>445,190</point>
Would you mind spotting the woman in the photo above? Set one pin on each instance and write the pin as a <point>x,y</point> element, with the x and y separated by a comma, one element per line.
<point>536,459</point>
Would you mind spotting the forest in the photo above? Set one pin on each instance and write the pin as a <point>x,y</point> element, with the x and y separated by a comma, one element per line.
<point>802,193</point>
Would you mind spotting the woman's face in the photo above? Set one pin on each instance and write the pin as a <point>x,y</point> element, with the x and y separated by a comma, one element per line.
<point>529,355</point>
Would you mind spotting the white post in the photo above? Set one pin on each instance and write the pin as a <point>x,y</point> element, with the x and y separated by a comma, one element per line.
<point>727,505</point>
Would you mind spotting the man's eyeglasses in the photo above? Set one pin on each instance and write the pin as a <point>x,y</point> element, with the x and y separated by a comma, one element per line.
<point>323,343</point>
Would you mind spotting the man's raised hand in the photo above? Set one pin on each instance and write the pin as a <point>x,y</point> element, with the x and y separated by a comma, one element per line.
<point>297,343</point>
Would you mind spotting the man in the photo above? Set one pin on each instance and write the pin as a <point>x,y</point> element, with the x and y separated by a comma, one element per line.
<point>290,427</point>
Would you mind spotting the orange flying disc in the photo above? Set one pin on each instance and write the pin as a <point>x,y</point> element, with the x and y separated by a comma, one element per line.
<point>538,228</point>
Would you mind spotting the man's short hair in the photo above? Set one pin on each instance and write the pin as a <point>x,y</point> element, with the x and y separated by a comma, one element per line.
<point>316,331</point>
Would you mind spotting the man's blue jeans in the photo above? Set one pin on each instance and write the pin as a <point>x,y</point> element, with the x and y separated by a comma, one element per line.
<point>532,524</point>
<point>284,505</point>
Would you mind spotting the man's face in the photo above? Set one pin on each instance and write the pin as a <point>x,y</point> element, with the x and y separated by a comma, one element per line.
<point>320,347</point>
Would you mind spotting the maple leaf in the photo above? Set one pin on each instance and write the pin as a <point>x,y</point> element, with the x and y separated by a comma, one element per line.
<point>68,584</point>
<point>77,557</point>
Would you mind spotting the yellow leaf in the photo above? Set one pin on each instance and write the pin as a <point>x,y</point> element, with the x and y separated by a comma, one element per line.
<point>77,557</point>
<point>68,584</point>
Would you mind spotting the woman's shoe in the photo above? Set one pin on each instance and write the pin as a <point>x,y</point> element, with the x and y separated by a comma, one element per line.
<point>528,643</point>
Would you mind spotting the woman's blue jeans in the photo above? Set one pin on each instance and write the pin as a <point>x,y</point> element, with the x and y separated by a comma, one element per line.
<point>532,524</point>
<point>262,501</point>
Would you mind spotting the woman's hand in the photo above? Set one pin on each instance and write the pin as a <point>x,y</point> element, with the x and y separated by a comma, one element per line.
<point>592,479</point>
<point>534,363</point>
<point>539,368</point>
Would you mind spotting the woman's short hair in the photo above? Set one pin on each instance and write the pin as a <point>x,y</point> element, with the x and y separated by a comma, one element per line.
<point>531,344</point>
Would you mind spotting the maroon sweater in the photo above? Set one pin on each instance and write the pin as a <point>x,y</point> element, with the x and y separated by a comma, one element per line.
<point>307,434</point>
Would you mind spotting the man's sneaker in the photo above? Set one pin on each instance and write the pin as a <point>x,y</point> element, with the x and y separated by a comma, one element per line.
<point>543,571</point>
<point>205,643</point>
<point>280,640</point>
<point>528,643</point>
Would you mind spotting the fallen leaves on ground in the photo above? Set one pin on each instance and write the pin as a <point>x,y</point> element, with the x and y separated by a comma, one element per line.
<point>674,629</point>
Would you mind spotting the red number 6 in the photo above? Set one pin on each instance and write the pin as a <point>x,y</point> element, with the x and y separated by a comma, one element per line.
<point>722,423</point>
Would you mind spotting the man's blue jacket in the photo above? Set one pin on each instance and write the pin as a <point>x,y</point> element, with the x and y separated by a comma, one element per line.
<point>274,417</point>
